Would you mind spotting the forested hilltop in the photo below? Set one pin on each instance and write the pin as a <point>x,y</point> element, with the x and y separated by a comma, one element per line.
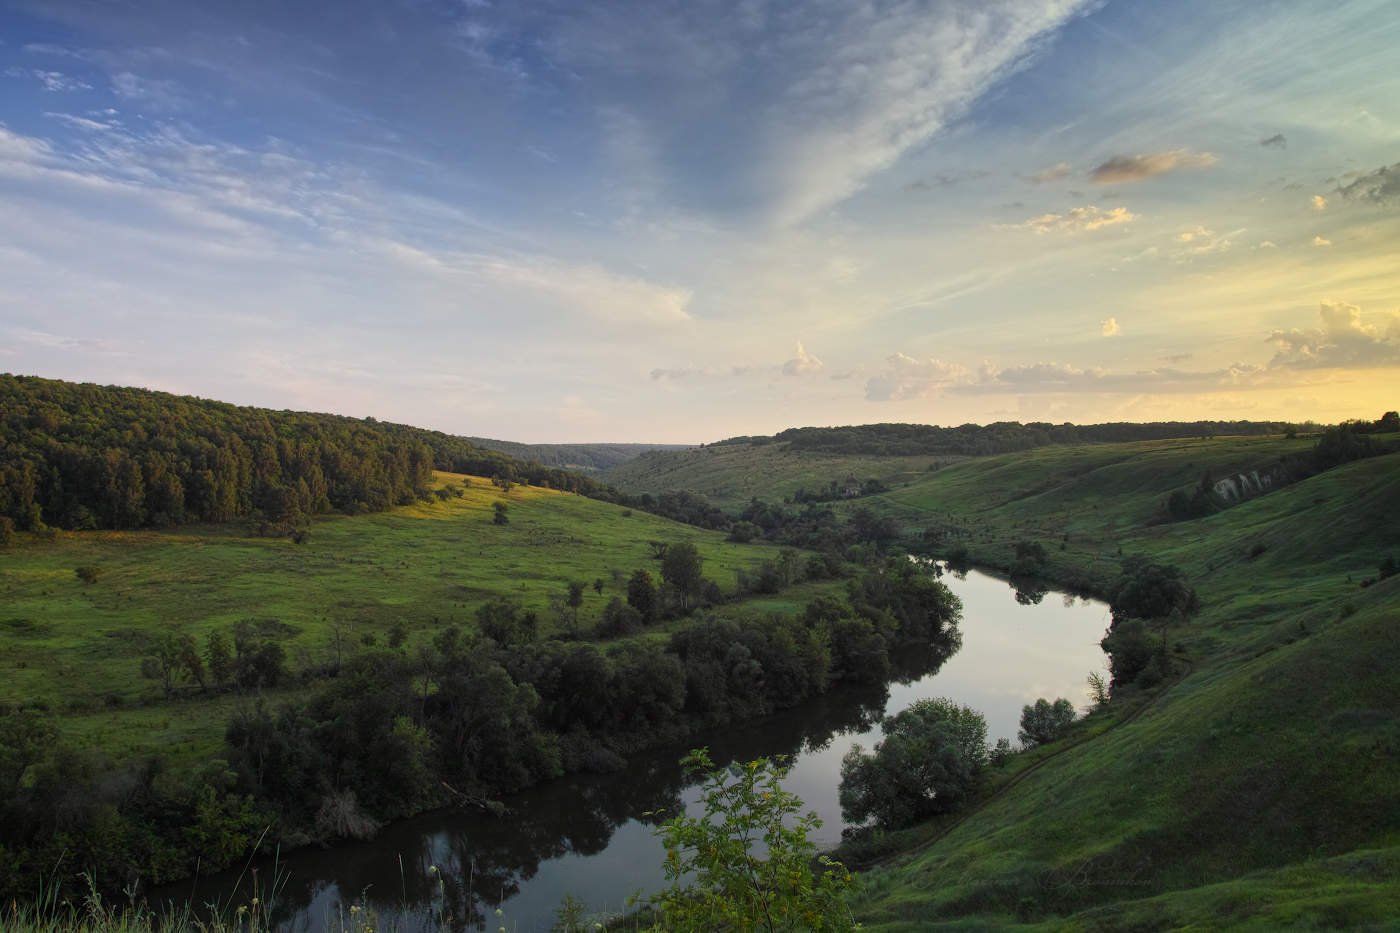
<point>972,440</point>
<point>88,456</point>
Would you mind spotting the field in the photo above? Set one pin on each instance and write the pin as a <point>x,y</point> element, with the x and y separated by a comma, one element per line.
<point>1262,786</point>
<point>730,475</point>
<point>77,647</point>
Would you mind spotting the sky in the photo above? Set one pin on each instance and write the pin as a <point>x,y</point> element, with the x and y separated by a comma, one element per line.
<point>684,220</point>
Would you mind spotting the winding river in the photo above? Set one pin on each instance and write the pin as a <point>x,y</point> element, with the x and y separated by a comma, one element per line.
<point>590,837</point>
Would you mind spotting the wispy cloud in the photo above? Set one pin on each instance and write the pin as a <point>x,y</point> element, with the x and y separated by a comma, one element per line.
<point>1276,141</point>
<point>1080,219</point>
<point>1124,169</point>
<point>1051,173</point>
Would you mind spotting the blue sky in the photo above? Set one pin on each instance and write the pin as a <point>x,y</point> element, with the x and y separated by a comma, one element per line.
<point>679,221</point>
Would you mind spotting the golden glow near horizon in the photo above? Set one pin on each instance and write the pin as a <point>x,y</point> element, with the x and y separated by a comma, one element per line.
<point>648,224</point>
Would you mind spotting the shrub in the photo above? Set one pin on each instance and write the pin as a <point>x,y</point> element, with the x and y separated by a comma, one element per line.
<point>1045,721</point>
<point>719,879</point>
<point>931,758</point>
<point>87,573</point>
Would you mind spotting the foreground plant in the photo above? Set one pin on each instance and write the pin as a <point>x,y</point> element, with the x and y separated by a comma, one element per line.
<point>748,863</point>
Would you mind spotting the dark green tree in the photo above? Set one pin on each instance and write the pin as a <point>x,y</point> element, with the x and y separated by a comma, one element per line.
<point>575,600</point>
<point>932,756</point>
<point>641,595</point>
<point>1044,721</point>
<point>682,568</point>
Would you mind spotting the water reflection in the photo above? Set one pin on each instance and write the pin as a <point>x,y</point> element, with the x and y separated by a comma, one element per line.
<point>592,835</point>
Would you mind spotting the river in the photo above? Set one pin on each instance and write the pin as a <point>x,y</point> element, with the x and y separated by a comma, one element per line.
<point>589,836</point>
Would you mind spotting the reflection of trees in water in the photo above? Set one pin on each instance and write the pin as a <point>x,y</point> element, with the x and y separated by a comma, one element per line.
<point>483,861</point>
<point>1029,590</point>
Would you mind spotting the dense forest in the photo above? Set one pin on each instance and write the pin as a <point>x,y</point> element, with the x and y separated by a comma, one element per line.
<point>87,456</point>
<point>999,438</point>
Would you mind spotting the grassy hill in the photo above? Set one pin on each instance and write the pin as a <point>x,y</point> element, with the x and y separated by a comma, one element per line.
<point>729,475</point>
<point>77,647</point>
<point>1262,786</point>
<point>584,458</point>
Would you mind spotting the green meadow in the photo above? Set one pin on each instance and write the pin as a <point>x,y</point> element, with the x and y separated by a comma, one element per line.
<point>1261,786</point>
<point>730,475</point>
<point>77,647</point>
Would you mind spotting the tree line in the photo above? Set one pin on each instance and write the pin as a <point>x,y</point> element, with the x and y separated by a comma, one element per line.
<point>1000,437</point>
<point>80,456</point>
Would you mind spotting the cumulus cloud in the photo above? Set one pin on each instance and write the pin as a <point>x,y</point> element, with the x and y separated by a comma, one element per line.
<point>1276,141</point>
<point>1321,241</point>
<point>1267,244</point>
<point>1195,233</point>
<point>1110,327</point>
<point>1381,187</point>
<point>1080,219</point>
<point>1319,203</point>
<point>1122,169</point>
<point>1052,173</point>
<point>1342,340</point>
<point>802,364</point>
<point>904,377</point>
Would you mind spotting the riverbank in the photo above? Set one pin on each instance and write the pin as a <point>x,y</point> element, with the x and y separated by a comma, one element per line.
<point>1268,760</point>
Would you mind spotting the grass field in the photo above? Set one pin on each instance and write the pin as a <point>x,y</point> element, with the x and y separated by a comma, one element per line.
<point>77,647</point>
<point>1262,788</point>
<point>730,475</point>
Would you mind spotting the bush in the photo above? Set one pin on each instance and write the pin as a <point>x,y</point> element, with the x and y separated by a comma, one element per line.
<point>1150,591</point>
<point>87,573</point>
<point>748,863</point>
<point>1135,656</point>
<point>744,532</point>
<point>619,619</point>
<point>1045,721</point>
<point>931,758</point>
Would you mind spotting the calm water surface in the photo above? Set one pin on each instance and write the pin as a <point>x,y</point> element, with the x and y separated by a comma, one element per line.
<point>589,836</point>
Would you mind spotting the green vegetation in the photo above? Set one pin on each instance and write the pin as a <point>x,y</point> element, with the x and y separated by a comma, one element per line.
<point>580,458</point>
<point>747,863</point>
<point>1255,777</point>
<point>931,758</point>
<point>729,475</point>
<point>77,648</point>
<point>1043,722</point>
<point>397,661</point>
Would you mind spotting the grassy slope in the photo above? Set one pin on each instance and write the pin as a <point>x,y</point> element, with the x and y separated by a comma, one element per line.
<point>78,647</point>
<point>585,458</point>
<point>1239,792</point>
<point>732,474</point>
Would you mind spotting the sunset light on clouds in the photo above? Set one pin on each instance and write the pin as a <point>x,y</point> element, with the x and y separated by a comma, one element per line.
<point>684,221</point>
